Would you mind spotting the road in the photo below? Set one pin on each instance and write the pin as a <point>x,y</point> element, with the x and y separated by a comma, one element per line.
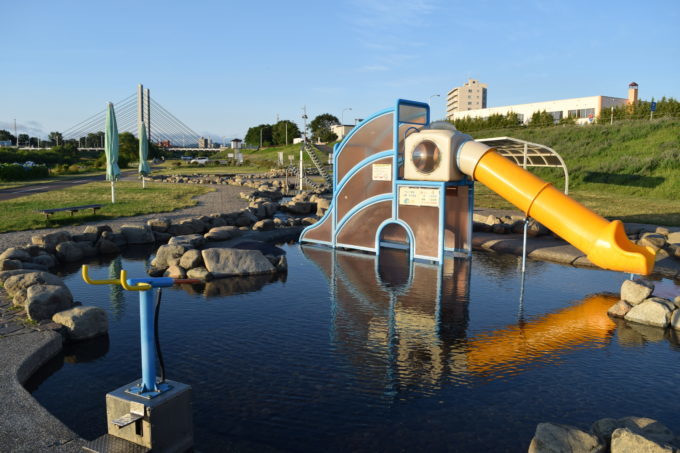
<point>30,189</point>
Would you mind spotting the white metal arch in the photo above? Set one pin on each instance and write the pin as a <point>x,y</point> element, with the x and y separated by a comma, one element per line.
<point>527,154</point>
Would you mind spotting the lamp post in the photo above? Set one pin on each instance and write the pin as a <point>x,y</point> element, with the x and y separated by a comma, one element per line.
<point>342,116</point>
<point>429,102</point>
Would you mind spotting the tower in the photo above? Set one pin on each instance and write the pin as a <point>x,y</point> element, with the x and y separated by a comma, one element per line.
<point>632,93</point>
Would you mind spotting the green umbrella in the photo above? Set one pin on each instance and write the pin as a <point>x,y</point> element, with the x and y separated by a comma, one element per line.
<point>144,168</point>
<point>111,149</point>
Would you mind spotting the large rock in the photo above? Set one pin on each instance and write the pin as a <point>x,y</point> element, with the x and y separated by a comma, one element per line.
<point>264,225</point>
<point>190,259</point>
<point>647,427</point>
<point>17,285</point>
<point>83,322</point>
<point>43,301</point>
<point>300,207</point>
<point>98,230</point>
<point>635,291</point>
<point>168,255</point>
<point>45,260</point>
<point>10,265</point>
<point>180,230</point>
<point>84,237</point>
<point>69,252</point>
<point>200,273</point>
<point>190,241</point>
<point>159,224</point>
<point>175,271</point>
<point>619,309</point>
<point>4,275</point>
<point>234,262</point>
<point>14,253</point>
<point>116,238</point>
<point>107,247</point>
<point>50,241</point>
<point>626,441</point>
<point>137,234</point>
<point>88,249</point>
<point>653,240</point>
<point>246,218</point>
<point>556,438</point>
<point>673,238</point>
<point>221,233</point>
<point>650,312</point>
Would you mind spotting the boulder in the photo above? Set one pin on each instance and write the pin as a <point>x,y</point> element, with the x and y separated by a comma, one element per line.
<point>161,237</point>
<point>47,261</point>
<point>34,266</point>
<point>626,441</point>
<point>654,240</point>
<point>116,238</point>
<point>191,258</point>
<point>221,233</point>
<point>14,253</point>
<point>84,237</point>
<point>168,255</point>
<point>69,252</point>
<point>308,221</point>
<point>554,438</point>
<point>137,234</point>
<point>87,248</point>
<point>281,264</point>
<point>107,247</point>
<point>180,230</point>
<point>264,225</point>
<point>4,275</point>
<point>159,224</point>
<point>175,271</point>
<point>35,250</point>
<point>535,229</point>
<point>154,271</point>
<point>635,291</point>
<point>322,205</point>
<point>223,262</point>
<point>246,218</point>
<point>98,230</point>
<point>43,301</point>
<point>10,265</point>
<point>189,241</point>
<point>50,241</point>
<point>673,238</point>
<point>619,309</point>
<point>17,285</point>
<point>647,427</point>
<point>300,207</point>
<point>675,320</point>
<point>83,322</point>
<point>499,228</point>
<point>217,222</point>
<point>651,313</point>
<point>200,273</point>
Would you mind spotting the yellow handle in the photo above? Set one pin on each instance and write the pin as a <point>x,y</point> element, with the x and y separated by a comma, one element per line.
<point>137,287</point>
<point>88,280</point>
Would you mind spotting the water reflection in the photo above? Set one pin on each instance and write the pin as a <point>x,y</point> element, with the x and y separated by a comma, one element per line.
<point>411,320</point>
<point>116,291</point>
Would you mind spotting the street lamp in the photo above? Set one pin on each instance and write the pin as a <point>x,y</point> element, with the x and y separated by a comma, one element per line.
<point>429,102</point>
<point>342,116</point>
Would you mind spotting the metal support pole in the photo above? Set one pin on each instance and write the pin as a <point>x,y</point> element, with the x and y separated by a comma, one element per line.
<point>113,193</point>
<point>524,245</point>
<point>301,170</point>
<point>147,341</point>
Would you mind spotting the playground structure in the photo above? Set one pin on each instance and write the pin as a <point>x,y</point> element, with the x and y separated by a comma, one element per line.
<point>402,182</point>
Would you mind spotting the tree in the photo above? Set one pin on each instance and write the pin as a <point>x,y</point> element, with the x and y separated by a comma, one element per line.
<point>56,138</point>
<point>321,127</point>
<point>253,135</point>
<point>7,136</point>
<point>279,132</point>
<point>542,118</point>
<point>23,139</point>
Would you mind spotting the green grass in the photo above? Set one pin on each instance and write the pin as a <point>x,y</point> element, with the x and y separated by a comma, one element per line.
<point>169,169</point>
<point>629,170</point>
<point>52,178</point>
<point>21,213</point>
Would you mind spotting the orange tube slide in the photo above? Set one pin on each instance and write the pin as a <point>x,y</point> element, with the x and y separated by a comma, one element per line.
<point>604,243</point>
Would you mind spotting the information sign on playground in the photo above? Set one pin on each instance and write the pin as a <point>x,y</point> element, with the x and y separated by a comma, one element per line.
<point>418,196</point>
<point>382,172</point>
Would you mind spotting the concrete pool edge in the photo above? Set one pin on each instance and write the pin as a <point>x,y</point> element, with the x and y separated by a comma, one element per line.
<point>31,427</point>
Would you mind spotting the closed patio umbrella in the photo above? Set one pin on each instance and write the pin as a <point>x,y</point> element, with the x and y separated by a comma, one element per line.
<point>144,168</point>
<point>111,149</point>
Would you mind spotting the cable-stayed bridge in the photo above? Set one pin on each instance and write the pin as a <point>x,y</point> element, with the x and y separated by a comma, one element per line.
<point>162,127</point>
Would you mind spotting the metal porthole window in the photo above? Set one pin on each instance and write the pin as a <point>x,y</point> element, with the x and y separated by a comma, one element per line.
<point>426,157</point>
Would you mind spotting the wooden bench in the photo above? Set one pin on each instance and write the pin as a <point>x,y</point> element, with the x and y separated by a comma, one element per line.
<point>71,209</point>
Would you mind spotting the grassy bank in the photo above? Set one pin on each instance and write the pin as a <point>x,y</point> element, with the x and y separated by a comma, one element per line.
<point>21,213</point>
<point>629,170</point>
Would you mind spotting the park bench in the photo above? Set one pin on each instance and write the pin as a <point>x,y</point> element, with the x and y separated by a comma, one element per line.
<point>71,209</point>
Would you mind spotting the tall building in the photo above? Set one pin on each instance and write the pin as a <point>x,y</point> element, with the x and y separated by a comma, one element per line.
<point>471,96</point>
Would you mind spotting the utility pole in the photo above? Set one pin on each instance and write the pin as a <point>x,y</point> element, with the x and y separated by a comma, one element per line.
<point>16,137</point>
<point>611,120</point>
<point>261,138</point>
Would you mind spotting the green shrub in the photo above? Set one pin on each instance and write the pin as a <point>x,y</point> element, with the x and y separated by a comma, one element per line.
<point>14,172</point>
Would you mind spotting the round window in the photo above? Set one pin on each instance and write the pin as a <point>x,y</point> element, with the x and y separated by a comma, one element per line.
<point>426,157</point>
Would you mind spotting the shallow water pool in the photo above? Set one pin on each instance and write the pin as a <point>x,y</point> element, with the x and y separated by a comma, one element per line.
<point>343,354</point>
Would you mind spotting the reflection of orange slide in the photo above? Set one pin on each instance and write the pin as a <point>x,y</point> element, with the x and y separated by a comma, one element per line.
<point>604,243</point>
<point>568,329</point>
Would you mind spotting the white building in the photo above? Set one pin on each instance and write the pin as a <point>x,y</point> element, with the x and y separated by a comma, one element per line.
<point>471,96</point>
<point>236,143</point>
<point>341,130</point>
<point>584,110</point>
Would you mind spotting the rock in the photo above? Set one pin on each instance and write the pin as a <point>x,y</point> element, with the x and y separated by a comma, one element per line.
<point>175,271</point>
<point>535,229</point>
<point>619,309</point>
<point>43,301</point>
<point>221,233</point>
<point>98,230</point>
<point>200,273</point>
<point>322,205</point>
<point>45,260</point>
<point>224,262</point>
<point>161,237</point>
<point>137,234</point>
<point>675,320</point>
<point>116,238</point>
<point>193,241</point>
<point>159,224</point>
<point>69,252</point>
<point>246,218</point>
<point>14,253</point>
<point>282,264</point>
<point>83,322</point>
<point>647,427</point>
<point>10,265</point>
<point>676,301</point>
<point>654,240</point>
<point>651,313</point>
<point>84,237</point>
<point>673,238</point>
<point>217,222</point>
<point>626,441</point>
<point>180,230</point>
<point>154,271</point>
<point>17,285</point>
<point>50,241</point>
<point>190,259</point>
<point>4,275</point>
<point>264,225</point>
<point>308,221</point>
<point>34,266</point>
<point>666,302</point>
<point>635,291</point>
<point>87,248</point>
<point>300,207</point>
<point>167,255</point>
<point>499,228</point>
<point>107,247</point>
<point>554,438</point>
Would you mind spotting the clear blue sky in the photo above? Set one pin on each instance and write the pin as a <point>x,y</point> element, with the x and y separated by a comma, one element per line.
<point>224,66</point>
